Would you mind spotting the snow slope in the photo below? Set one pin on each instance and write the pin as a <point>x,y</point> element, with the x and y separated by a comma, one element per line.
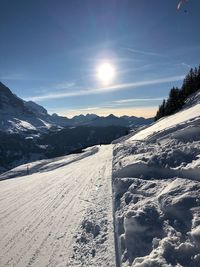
<point>156,176</point>
<point>61,216</point>
<point>163,124</point>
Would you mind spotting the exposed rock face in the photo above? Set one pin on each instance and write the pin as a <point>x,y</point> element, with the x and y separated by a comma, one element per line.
<point>10,103</point>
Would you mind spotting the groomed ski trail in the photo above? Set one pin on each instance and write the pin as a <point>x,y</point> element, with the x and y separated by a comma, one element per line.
<point>61,217</point>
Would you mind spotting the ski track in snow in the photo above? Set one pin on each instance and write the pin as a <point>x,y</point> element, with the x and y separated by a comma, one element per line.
<point>40,215</point>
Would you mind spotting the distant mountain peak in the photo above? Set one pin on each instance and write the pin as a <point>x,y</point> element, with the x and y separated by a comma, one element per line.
<point>10,103</point>
<point>111,116</point>
<point>91,115</point>
<point>35,108</point>
<point>17,115</point>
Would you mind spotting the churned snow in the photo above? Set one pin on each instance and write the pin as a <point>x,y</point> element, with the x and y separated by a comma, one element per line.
<point>156,174</point>
<point>158,222</point>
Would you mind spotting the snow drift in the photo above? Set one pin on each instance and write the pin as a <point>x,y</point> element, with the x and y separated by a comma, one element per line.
<point>156,174</point>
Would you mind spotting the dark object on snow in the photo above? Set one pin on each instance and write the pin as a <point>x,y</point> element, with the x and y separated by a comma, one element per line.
<point>27,169</point>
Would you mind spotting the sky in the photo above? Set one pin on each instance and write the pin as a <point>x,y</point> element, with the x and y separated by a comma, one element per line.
<point>51,50</point>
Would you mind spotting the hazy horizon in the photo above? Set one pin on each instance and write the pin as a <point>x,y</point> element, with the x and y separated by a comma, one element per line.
<point>140,112</point>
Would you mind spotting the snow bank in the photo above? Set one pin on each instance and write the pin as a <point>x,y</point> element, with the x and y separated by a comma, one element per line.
<point>171,121</point>
<point>156,174</point>
<point>47,165</point>
<point>158,222</point>
<point>174,152</point>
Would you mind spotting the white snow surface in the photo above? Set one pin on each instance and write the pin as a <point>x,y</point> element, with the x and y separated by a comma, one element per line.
<point>156,176</point>
<point>21,125</point>
<point>61,216</point>
<point>171,121</point>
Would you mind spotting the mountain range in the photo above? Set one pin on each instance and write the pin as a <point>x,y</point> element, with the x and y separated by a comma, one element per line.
<point>18,115</point>
<point>28,132</point>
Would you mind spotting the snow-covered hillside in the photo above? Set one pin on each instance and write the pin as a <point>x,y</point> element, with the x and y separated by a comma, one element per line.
<point>19,116</point>
<point>156,176</point>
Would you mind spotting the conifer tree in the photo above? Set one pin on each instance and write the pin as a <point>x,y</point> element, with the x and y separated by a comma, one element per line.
<point>177,97</point>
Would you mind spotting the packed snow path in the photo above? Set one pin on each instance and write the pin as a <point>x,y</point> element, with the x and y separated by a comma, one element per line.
<point>61,217</point>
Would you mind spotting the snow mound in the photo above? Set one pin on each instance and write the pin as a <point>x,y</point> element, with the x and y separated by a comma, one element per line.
<point>47,165</point>
<point>183,116</point>
<point>192,100</point>
<point>156,174</point>
<point>158,222</point>
<point>174,152</point>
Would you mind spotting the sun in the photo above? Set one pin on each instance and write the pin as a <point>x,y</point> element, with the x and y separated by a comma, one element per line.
<point>106,73</point>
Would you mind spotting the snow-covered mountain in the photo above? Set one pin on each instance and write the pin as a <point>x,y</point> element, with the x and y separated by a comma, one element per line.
<point>83,119</point>
<point>9,103</point>
<point>19,116</point>
<point>61,211</point>
<point>29,133</point>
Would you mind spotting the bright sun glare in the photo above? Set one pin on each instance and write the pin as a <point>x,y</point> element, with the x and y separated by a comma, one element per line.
<point>106,73</point>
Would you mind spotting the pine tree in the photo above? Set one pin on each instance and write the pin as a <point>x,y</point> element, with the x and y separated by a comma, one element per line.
<point>177,96</point>
<point>161,111</point>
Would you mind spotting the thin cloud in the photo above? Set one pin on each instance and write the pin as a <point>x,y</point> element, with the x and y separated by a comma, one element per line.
<point>116,87</point>
<point>186,65</point>
<point>20,77</point>
<point>124,101</point>
<point>13,77</point>
<point>89,108</point>
<point>64,85</point>
<point>112,107</point>
<point>63,110</point>
<point>143,52</point>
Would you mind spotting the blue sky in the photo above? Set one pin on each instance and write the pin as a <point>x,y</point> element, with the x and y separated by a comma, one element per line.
<point>50,50</point>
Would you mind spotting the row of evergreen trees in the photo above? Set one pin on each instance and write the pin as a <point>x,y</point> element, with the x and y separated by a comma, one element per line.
<point>177,96</point>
